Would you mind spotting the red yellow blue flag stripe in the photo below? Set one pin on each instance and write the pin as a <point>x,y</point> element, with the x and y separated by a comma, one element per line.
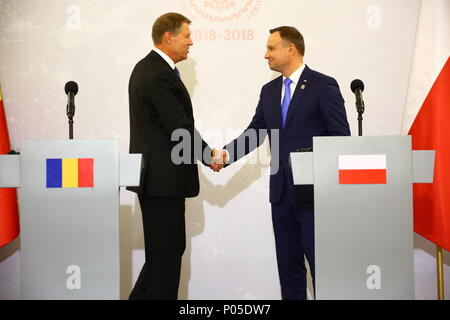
<point>70,173</point>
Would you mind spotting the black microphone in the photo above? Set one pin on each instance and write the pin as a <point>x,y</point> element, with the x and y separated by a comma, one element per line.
<point>357,87</point>
<point>71,90</point>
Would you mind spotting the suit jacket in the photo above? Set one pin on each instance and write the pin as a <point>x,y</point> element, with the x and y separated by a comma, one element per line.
<point>316,109</point>
<point>160,104</point>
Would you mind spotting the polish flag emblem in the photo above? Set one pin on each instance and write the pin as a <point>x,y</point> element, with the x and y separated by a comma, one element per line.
<point>362,169</point>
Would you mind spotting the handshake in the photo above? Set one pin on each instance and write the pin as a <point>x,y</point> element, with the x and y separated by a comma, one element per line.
<point>219,159</point>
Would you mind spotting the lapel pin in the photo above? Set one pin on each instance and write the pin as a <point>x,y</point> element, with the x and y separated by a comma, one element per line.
<point>303,85</point>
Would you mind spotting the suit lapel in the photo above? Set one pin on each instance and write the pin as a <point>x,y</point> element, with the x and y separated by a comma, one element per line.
<point>300,90</point>
<point>184,87</point>
<point>170,70</point>
<point>187,96</point>
<point>277,102</point>
<point>177,81</point>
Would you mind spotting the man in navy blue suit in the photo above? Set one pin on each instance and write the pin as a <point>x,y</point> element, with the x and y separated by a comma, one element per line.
<point>292,109</point>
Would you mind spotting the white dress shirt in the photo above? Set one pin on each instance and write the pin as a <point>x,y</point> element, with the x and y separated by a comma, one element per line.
<point>165,57</point>
<point>295,77</point>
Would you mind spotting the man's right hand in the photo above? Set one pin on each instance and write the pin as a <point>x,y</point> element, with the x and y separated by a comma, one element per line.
<point>219,159</point>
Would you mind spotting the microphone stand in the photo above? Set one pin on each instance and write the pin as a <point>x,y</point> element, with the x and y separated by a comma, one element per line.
<point>360,119</point>
<point>360,110</point>
<point>70,128</point>
<point>70,113</point>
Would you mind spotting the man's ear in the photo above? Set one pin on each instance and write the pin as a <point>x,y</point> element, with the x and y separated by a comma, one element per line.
<point>292,49</point>
<point>167,37</point>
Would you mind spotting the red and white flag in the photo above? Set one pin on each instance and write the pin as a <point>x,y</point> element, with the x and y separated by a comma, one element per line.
<point>362,169</point>
<point>9,217</point>
<point>427,118</point>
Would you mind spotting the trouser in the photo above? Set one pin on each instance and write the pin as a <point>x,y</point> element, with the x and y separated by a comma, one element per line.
<point>165,241</point>
<point>294,239</point>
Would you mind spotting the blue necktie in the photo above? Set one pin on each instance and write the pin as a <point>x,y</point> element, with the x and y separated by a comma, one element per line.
<point>177,72</point>
<point>286,100</point>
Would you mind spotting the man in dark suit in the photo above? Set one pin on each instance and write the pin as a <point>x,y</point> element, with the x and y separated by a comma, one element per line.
<point>160,109</point>
<point>295,107</point>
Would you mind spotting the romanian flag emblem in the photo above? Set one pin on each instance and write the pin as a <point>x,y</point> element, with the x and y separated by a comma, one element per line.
<point>362,169</point>
<point>70,173</point>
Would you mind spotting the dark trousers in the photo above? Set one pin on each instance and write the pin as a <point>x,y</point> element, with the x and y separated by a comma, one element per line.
<point>165,242</point>
<point>294,238</point>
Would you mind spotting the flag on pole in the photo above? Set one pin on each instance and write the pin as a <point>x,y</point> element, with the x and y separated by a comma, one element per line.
<point>427,118</point>
<point>9,217</point>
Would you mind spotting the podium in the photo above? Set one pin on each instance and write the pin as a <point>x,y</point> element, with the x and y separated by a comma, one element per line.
<point>69,215</point>
<point>363,213</point>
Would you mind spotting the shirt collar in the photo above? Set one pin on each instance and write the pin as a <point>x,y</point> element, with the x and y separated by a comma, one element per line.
<point>295,76</point>
<point>165,57</point>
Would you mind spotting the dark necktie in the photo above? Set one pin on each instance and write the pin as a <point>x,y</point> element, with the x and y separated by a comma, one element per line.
<point>177,72</point>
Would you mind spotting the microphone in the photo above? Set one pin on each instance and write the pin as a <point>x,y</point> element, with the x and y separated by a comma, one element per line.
<point>71,89</point>
<point>357,87</point>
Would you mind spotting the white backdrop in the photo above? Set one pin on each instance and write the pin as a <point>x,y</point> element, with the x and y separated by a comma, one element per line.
<point>230,247</point>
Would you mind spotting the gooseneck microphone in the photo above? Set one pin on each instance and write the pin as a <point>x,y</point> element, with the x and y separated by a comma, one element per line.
<point>71,89</point>
<point>357,87</point>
